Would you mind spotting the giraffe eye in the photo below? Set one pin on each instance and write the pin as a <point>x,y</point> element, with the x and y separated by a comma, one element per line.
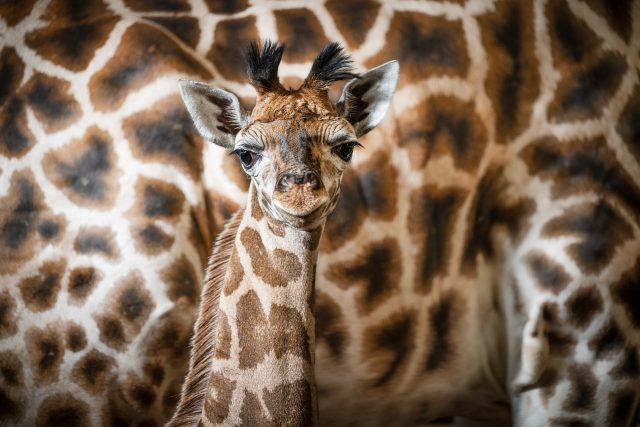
<point>247,157</point>
<point>345,151</point>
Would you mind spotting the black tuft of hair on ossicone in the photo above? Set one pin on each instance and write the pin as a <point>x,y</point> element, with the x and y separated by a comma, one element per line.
<point>332,64</point>
<point>262,66</point>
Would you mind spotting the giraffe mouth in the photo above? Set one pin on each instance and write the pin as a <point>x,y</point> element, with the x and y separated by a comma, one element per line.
<point>309,217</point>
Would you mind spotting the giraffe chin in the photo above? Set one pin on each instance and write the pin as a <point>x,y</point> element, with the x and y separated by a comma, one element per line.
<point>304,220</point>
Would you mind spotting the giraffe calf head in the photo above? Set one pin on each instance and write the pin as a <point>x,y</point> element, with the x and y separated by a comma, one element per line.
<point>295,143</point>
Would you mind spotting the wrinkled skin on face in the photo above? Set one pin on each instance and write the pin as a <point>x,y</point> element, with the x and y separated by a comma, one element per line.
<point>296,166</point>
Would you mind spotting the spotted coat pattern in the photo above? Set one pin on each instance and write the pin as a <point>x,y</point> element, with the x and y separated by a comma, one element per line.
<point>485,252</point>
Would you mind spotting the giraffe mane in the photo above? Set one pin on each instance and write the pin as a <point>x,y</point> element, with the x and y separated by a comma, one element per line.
<point>203,341</point>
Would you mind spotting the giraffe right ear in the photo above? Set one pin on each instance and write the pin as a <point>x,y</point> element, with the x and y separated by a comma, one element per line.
<point>216,113</point>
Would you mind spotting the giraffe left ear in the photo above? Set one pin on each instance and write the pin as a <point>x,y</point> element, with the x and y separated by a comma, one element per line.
<point>216,113</point>
<point>365,100</point>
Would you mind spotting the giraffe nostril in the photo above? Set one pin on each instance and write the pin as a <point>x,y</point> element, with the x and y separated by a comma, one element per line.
<point>312,179</point>
<point>290,179</point>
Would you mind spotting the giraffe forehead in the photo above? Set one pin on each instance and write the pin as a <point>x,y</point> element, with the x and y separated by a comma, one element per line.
<point>293,105</point>
<point>291,135</point>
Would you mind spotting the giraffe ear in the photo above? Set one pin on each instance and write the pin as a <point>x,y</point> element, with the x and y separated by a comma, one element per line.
<point>216,113</point>
<point>365,100</point>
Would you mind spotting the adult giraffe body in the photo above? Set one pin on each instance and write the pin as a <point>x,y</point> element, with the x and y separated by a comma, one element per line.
<point>500,194</point>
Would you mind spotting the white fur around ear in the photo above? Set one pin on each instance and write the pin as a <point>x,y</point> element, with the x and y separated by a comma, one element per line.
<point>365,101</point>
<point>216,113</point>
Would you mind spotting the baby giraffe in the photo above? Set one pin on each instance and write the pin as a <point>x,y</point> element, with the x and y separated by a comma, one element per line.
<point>252,358</point>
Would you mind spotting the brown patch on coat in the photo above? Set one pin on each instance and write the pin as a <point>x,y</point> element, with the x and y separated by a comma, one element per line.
<point>139,394</point>
<point>583,305</point>
<point>218,402</point>
<point>156,55</point>
<point>74,32</point>
<point>600,231</point>
<point>45,349</point>
<point>93,372</point>
<point>85,169</point>
<point>173,6</point>
<point>443,126</point>
<point>157,199</point>
<point>155,373</point>
<point>127,308</point>
<point>11,370</point>
<point>278,268</point>
<point>583,94</point>
<point>227,7</point>
<point>583,389</point>
<point>51,101</point>
<point>353,19</point>
<point>628,367</point>
<point>617,14</point>
<point>186,28</point>
<point>23,207</point>
<point>376,273</point>
<point>282,332</point>
<point>426,46</point>
<point>151,239</point>
<point>96,241</point>
<point>444,318</point>
<point>549,275</point>
<point>164,133</point>
<point>431,221</point>
<point>628,126</point>
<point>331,329</point>
<point>623,407</point>
<point>490,209</point>
<point>181,281</point>
<point>235,274</point>
<point>63,409</point>
<point>13,406</point>
<point>168,337</point>
<point>290,403</point>
<point>388,346</point>
<point>371,192</point>
<point>226,54</point>
<point>15,137</point>
<point>40,292</point>
<point>223,337</point>
<point>609,340</point>
<point>302,33</point>
<point>572,41</point>
<point>12,13</point>
<point>8,317</point>
<point>12,392</point>
<point>75,337</point>
<point>581,167</point>
<point>82,281</point>
<point>626,293</point>
<point>251,412</point>
<point>513,80</point>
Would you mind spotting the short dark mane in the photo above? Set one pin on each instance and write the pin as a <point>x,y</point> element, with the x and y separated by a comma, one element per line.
<point>262,67</point>
<point>331,65</point>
